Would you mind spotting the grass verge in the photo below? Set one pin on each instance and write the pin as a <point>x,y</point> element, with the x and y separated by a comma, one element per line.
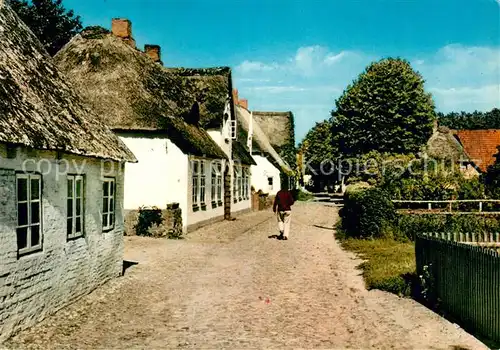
<point>389,265</point>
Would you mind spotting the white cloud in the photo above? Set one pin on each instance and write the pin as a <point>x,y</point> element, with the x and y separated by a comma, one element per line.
<point>251,66</point>
<point>466,98</point>
<point>277,89</point>
<point>334,58</point>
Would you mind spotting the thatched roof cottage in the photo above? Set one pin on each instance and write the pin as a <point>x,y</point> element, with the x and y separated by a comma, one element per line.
<point>61,186</point>
<point>172,119</point>
<point>270,167</point>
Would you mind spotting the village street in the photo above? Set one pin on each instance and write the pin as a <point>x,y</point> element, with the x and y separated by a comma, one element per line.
<point>230,286</point>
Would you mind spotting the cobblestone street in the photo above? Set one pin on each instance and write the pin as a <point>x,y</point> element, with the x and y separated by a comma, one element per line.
<point>230,286</point>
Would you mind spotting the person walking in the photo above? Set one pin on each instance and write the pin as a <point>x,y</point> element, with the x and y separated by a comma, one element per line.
<point>282,207</point>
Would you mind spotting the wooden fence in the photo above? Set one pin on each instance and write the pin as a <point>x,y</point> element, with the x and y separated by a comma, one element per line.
<point>450,206</point>
<point>465,279</point>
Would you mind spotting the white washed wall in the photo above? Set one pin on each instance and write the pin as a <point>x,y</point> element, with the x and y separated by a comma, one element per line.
<point>261,172</point>
<point>159,178</point>
<point>36,285</point>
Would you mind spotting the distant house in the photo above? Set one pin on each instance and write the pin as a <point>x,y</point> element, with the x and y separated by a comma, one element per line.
<point>279,129</point>
<point>472,150</point>
<point>61,186</point>
<point>480,147</point>
<point>270,168</point>
<point>176,121</point>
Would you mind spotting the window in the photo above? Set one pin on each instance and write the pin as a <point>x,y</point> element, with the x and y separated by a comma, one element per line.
<point>235,183</point>
<point>240,183</point>
<point>29,213</point>
<point>213,183</point>
<point>219,182</point>
<point>270,183</point>
<point>232,129</point>
<point>108,204</point>
<point>202,182</point>
<point>75,206</point>
<point>195,187</point>
<point>245,183</point>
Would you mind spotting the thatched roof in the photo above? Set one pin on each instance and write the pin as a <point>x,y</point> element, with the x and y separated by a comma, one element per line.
<point>241,153</point>
<point>278,126</point>
<point>132,92</point>
<point>37,108</point>
<point>260,142</point>
<point>443,145</point>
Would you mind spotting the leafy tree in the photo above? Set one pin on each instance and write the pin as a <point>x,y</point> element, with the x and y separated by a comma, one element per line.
<point>492,177</point>
<point>385,109</point>
<point>49,21</point>
<point>472,121</point>
<point>317,145</point>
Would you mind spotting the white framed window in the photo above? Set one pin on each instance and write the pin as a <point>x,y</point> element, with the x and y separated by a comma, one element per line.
<point>108,203</point>
<point>219,182</point>
<point>240,183</point>
<point>270,183</point>
<point>246,183</point>
<point>29,213</point>
<point>235,183</point>
<point>213,182</point>
<point>75,206</point>
<point>202,182</point>
<point>194,182</point>
<point>232,129</point>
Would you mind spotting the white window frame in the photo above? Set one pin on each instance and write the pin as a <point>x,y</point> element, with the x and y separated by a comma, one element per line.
<point>232,129</point>
<point>73,216</point>
<point>29,201</point>
<point>219,182</point>
<point>109,212</point>
<point>240,183</point>
<point>195,168</point>
<point>203,183</point>
<point>270,185</point>
<point>245,182</point>
<point>213,181</point>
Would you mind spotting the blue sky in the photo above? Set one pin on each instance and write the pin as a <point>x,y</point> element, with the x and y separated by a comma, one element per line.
<point>299,55</point>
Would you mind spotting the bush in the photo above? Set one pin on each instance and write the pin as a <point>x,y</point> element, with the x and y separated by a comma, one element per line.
<point>300,195</point>
<point>408,224</point>
<point>367,213</point>
<point>147,218</point>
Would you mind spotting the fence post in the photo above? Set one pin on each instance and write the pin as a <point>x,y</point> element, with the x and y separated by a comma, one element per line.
<point>480,207</point>
<point>429,205</point>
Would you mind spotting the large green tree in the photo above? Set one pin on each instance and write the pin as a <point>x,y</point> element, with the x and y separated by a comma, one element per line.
<point>317,146</point>
<point>53,25</point>
<point>385,109</point>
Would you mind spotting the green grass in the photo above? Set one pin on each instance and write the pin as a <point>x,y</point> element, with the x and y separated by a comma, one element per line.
<point>389,265</point>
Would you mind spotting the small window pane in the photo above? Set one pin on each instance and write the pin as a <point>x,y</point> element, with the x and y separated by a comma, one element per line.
<point>111,205</point>
<point>22,189</point>
<point>70,207</point>
<point>78,188</point>
<point>105,205</point>
<point>105,188</point>
<point>35,235</point>
<point>111,219</point>
<point>70,188</point>
<point>35,189</point>
<point>105,220</point>
<point>112,187</point>
<point>78,207</point>
<point>35,212</point>
<point>70,226</point>
<point>22,214</point>
<point>22,237</point>
<point>78,225</point>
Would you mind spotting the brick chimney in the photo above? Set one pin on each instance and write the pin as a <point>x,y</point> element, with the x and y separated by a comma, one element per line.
<point>122,28</point>
<point>153,51</point>
<point>235,96</point>
<point>243,103</point>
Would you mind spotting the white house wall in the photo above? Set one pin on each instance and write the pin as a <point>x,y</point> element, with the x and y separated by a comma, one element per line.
<point>36,285</point>
<point>160,177</point>
<point>260,174</point>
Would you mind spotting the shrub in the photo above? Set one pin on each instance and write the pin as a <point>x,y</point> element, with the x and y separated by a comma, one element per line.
<point>367,213</point>
<point>408,224</point>
<point>147,218</point>
<point>300,195</point>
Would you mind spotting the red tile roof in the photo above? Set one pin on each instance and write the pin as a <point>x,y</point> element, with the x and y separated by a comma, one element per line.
<point>480,146</point>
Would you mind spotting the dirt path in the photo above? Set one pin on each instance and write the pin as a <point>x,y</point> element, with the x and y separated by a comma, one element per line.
<point>230,286</point>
